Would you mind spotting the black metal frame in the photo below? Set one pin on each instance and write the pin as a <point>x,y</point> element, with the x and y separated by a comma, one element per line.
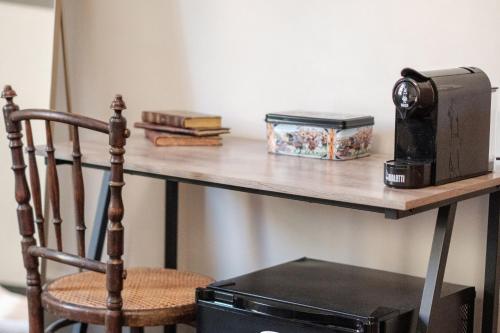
<point>436,267</point>
<point>437,261</point>
<point>492,270</point>
<point>171,230</point>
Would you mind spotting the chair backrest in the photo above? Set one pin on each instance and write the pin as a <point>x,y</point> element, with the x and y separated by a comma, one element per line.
<point>116,128</point>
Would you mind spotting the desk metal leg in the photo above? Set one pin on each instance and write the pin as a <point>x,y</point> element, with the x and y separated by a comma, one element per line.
<point>492,272</point>
<point>171,217</point>
<point>172,199</point>
<point>98,231</point>
<point>436,267</point>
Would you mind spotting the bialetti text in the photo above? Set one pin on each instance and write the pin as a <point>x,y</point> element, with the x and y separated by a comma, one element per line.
<point>394,178</point>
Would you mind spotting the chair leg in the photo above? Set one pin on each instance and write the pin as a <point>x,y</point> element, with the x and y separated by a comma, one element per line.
<point>112,323</point>
<point>24,214</point>
<point>34,289</point>
<point>35,309</point>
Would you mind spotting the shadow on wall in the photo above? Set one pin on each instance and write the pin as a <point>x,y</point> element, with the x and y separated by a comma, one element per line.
<point>214,238</point>
<point>39,3</point>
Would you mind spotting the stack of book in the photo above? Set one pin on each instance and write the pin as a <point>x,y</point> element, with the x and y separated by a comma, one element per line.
<point>182,128</point>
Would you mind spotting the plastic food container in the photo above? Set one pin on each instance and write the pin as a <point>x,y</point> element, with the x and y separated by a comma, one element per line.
<point>329,136</point>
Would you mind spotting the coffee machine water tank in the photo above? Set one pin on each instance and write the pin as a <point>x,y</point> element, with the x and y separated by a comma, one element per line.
<point>442,127</point>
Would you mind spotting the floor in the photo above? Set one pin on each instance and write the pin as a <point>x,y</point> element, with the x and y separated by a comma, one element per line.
<point>13,312</point>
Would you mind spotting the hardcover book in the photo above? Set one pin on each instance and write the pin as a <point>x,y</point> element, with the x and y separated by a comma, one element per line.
<point>163,139</point>
<point>182,119</point>
<point>190,131</point>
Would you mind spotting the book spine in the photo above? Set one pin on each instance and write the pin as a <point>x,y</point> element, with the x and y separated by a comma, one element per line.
<point>151,136</point>
<point>166,141</point>
<point>163,119</point>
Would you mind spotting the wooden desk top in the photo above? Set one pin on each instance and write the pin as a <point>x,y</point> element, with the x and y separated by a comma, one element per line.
<point>245,164</point>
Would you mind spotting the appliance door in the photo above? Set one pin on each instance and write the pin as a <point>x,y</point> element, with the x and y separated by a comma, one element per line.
<point>217,318</point>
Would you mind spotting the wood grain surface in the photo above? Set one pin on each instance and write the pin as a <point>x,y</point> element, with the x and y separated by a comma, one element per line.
<point>245,163</point>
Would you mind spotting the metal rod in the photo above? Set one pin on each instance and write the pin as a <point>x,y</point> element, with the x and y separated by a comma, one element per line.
<point>101,220</point>
<point>171,215</point>
<point>171,230</point>
<point>136,329</point>
<point>58,324</point>
<point>436,267</point>
<point>492,270</point>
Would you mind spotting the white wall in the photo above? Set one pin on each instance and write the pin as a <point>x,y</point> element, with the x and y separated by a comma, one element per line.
<point>26,32</point>
<point>244,58</point>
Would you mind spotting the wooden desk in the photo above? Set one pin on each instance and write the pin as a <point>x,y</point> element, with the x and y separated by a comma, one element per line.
<point>244,165</point>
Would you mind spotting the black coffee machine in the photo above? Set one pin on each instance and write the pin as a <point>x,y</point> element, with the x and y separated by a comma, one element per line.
<point>442,127</point>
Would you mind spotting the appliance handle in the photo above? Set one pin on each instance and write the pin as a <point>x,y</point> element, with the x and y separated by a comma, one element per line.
<point>336,322</point>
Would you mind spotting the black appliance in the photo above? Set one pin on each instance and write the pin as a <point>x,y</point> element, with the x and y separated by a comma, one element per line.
<point>442,127</point>
<point>313,296</point>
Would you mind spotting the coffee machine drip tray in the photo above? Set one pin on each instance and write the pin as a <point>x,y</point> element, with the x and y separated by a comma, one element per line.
<point>407,174</point>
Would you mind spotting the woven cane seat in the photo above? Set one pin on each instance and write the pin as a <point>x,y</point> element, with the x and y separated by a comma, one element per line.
<point>151,297</point>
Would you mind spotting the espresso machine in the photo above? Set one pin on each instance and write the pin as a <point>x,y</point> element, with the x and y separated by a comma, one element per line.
<point>442,127</point>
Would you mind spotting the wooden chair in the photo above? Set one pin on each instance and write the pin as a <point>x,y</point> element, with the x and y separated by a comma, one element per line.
<point>105,294</point>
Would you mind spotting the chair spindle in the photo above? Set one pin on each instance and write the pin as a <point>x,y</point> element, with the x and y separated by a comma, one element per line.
<point>79,192</point>
<point>117,137</point>
<point>24,212</point>
<point>53,184</point>
<point>35,185</point>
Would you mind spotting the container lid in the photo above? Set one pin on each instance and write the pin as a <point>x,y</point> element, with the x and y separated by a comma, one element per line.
<point>323,119</point>
<point>350,291</point>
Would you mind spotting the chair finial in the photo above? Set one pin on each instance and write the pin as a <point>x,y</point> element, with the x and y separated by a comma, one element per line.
<point>118,104</point>
<point>8,92</point>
